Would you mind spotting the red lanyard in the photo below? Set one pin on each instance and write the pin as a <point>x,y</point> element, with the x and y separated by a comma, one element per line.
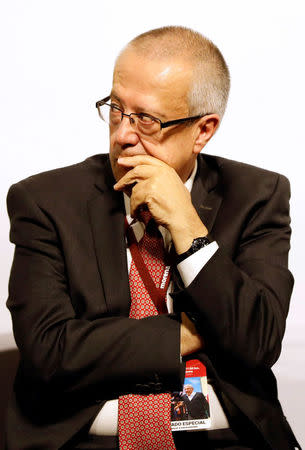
<point>157,294</point>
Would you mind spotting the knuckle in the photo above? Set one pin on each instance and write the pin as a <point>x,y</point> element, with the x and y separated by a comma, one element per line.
<point>149,198</point>
<point>153,188</point>
<point>135,171</point>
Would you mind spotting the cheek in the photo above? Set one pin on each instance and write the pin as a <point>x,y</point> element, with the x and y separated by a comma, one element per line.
<point>112,140</point>
<point>172,151</point>
<point>178,153</point>
<point>162,152</point>
<point>114,149</point>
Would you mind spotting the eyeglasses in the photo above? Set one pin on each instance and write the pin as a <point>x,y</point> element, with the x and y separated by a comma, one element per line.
<point>145,124</point>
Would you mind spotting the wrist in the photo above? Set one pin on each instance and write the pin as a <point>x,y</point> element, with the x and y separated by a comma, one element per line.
<point>183,237</point>
<point>197,244</point>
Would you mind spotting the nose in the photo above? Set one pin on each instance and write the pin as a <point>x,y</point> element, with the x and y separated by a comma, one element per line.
<point>125,133</point>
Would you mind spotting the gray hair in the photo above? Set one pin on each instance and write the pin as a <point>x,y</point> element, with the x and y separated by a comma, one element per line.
<point>211,78</point>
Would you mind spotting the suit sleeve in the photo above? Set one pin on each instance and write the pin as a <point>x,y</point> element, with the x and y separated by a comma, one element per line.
<point>241,302</point>
<point>62,349</point>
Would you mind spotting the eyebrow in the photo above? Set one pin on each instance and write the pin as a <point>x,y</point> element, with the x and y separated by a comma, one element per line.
<point>112,94</point>
<point>139,110</point>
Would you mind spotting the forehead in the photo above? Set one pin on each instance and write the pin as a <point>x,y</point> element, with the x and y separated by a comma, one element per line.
<point>160,84</point>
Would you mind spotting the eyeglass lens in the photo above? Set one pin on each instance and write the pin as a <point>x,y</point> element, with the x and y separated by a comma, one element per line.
<point>144,124</point>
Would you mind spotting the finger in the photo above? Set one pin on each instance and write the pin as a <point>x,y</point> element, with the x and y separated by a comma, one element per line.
<point>133,161</point>
<point>134,175</point>
<point>138,198</point>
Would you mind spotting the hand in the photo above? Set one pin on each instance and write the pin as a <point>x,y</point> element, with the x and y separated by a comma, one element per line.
<point>157,185</point>
<point>190,340</point>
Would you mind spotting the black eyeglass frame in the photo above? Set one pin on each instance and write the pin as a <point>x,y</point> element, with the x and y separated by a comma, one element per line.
<point>162,124</point>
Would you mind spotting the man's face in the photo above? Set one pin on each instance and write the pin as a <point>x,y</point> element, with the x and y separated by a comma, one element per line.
<point>188,390</point>
<point>158,88</point>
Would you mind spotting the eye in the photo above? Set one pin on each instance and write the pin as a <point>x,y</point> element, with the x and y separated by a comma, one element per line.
<point>115,109</point>
<point>146,120</point>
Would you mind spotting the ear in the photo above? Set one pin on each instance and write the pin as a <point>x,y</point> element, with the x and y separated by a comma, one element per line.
<point>206,128</point>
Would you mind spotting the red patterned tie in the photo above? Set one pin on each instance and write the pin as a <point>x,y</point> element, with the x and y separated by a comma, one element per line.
<point>145,420</point>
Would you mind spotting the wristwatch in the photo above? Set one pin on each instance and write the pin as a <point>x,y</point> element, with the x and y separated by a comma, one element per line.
<point>197,244</point>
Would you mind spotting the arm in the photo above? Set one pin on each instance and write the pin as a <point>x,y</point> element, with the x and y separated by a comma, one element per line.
<point>242,301</point>
<point>62,348</point>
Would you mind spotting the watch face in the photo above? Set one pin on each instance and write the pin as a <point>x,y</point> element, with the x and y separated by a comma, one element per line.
<point>200,242</point>
<point>197,244</point>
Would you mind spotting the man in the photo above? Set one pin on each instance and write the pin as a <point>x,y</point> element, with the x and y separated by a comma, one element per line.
<point>196,403</point>
<point>75,278</point>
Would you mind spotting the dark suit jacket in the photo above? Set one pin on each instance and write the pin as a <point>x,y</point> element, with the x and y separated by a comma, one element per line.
<point>69,299</point>
<point>198,407</point>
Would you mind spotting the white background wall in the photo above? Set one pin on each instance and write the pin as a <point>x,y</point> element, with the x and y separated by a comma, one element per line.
<point>56,61</point>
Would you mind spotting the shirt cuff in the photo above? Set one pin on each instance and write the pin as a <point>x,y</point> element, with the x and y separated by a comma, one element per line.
<point>191,266</point>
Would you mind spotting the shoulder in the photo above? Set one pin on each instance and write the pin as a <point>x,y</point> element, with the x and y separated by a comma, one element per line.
<point>60,193</point>
<point>199,395</point>
<point>65,181</point>
<point>241,178</point>
<point>75,174</point>
<point>229,168</point>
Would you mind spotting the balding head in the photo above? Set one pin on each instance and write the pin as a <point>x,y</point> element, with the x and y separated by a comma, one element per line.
<point>210,84</point>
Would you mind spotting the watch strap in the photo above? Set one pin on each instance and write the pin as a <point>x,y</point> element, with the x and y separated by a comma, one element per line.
<point>197,244</point>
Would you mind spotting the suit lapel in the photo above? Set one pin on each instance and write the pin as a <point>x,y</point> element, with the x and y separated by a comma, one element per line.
<point>107,215</point>
<point>206,192</point>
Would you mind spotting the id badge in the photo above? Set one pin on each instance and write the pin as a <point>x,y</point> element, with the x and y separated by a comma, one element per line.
<point>190,408</point>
